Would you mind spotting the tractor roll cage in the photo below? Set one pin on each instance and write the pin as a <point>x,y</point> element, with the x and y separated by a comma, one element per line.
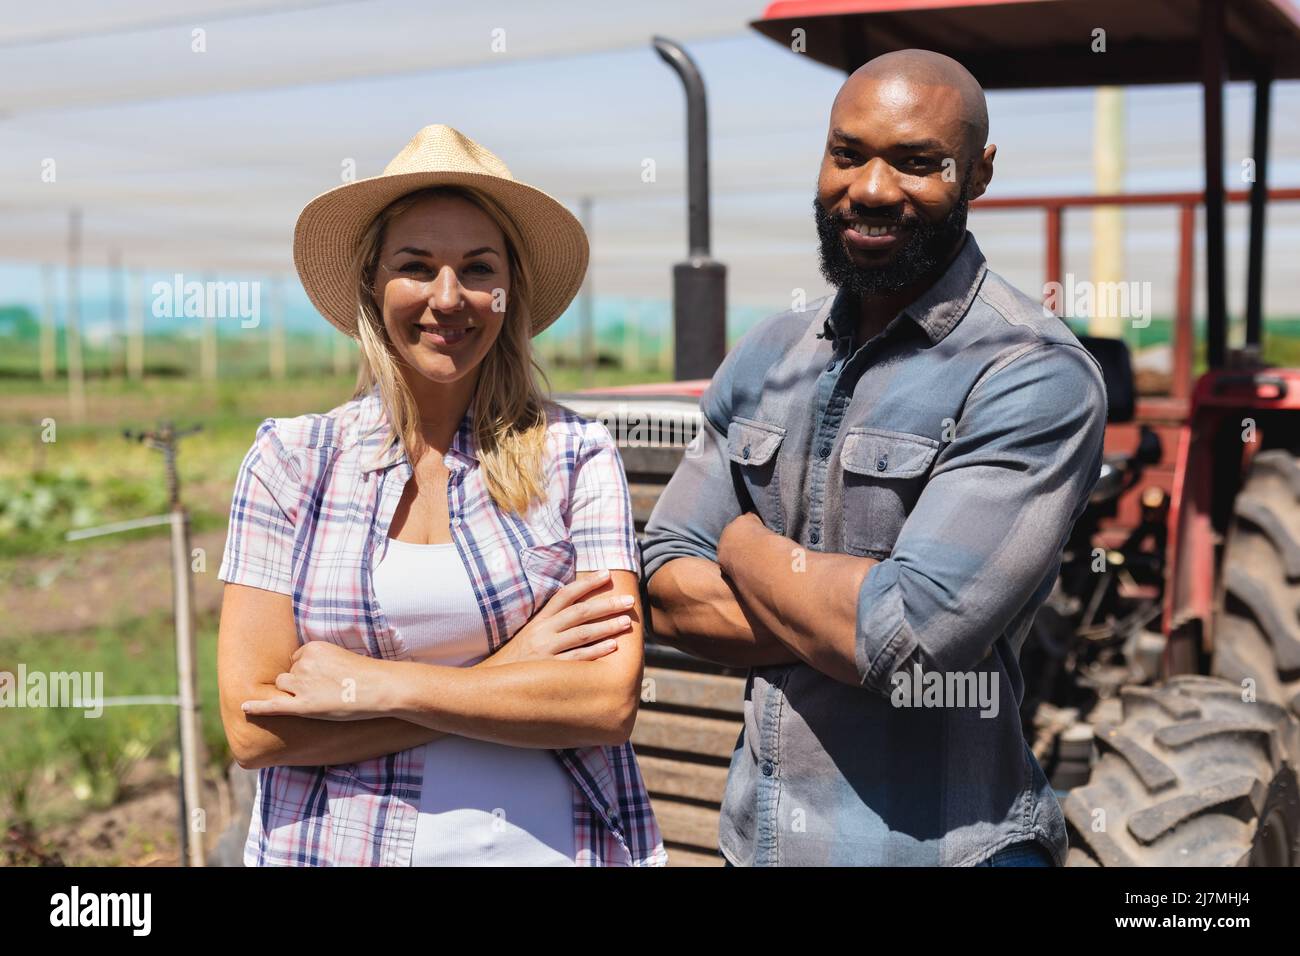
<point>1029,44</point>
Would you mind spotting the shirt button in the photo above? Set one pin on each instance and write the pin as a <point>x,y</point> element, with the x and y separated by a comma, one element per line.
<point>824,451</point>
<point>767,768</point>
<point>815,537</point>
<point>744,452</point>
<point>882,462</point>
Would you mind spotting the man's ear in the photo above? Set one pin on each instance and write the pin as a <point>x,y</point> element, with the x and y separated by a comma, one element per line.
<point>983,172</point>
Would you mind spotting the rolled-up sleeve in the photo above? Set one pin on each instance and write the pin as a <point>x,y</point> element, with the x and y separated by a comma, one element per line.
<point>699,500</point>
<point>600,509</point>
<point>987,532</point>
<point>261,536</point>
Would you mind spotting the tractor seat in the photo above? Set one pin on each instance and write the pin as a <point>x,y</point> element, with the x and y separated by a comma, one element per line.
<point>1117,372</point>
<point>1118,471</point>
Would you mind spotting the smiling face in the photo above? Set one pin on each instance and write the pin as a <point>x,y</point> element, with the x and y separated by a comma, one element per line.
<point>904,156</point>
<point>441,284</point>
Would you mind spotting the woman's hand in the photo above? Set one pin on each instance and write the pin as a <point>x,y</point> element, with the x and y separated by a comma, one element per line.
<point>327,682</point>
<point>570,629</point>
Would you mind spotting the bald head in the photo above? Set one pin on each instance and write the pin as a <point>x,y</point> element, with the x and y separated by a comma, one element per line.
<point>905,155</point>
<point>924,74</point>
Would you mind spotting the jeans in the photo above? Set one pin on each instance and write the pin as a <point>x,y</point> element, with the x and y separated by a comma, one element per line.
<point>1029,853</point>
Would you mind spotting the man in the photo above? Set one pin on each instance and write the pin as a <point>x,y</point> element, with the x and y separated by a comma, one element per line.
<point>876,506</point>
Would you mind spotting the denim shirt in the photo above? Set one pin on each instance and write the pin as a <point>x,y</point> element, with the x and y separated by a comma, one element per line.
<point>957,447</point>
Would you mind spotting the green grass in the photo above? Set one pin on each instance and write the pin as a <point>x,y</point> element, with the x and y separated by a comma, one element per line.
<point>1281,340</point>
<point>91,475</point>
<point>57,763</point>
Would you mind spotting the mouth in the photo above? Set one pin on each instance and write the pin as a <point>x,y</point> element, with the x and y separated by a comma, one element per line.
<point>445,336</point>
<point>872,236</point>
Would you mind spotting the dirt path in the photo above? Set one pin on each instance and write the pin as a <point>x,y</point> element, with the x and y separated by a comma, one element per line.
<point>141,829</point>
<point>93,584</point>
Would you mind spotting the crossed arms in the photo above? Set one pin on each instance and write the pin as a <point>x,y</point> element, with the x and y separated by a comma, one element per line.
<point>983,539</point>
<point>570,678</point>
<point>749,608</point>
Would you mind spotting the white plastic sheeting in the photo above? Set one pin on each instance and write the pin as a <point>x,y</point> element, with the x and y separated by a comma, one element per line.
<point>190,134</point>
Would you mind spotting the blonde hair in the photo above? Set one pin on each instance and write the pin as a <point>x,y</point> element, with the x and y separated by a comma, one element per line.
<point>509,406</point>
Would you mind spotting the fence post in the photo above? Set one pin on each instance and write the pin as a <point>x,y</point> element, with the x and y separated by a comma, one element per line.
<point>191,738</point>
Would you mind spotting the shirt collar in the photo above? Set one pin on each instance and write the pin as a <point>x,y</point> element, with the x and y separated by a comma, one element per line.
<point>936,311</point>
<point>463,446</point>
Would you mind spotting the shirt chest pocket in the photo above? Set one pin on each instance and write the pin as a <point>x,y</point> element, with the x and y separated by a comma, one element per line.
<point>752,446</point>
<point>547,568</point>
<point>884,473</point>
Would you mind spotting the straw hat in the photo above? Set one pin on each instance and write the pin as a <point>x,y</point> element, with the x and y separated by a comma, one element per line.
<point>331,225</point>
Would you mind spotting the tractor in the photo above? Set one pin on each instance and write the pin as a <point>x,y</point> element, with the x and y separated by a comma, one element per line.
<point>1163,673</point>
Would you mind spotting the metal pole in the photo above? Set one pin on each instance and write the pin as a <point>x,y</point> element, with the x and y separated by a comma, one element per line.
<point>208,341</point>
<point>586,307</point>
<point>1184,335</point>
<point>277,359</point>
<point>49,327</point>
<point>1108,221</point>
<point>191,741</point>
<point>135,327</point>
<point>1053,226</point>
<point>187,685</point>
<point>72,317</point>
<point>1258,203</point>
<point>1216,305</point>
<point>116,318</point>
<point>700,283</point>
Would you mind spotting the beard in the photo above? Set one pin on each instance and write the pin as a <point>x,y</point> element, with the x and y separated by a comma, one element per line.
<point>928,247</point>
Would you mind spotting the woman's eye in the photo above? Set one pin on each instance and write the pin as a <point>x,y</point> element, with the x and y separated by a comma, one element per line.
<point>414,267</point>
<point>480,268</point>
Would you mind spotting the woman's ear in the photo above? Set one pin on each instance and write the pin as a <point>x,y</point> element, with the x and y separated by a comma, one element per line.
<point>376,294</point>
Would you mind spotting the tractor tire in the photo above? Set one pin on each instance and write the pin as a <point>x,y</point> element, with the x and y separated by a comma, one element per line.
<point>1257,628</point>
<point>1192,775</point>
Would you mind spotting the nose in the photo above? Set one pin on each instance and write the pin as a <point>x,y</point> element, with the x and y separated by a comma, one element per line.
<point>445,294</point>
<point>875,185</point>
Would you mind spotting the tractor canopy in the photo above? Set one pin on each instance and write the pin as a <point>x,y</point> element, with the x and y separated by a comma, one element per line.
<point>1023,44</point>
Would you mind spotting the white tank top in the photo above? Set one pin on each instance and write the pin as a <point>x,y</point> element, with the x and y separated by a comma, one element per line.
<point>481,803</point>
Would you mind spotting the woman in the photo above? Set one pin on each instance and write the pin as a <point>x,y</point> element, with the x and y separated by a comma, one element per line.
<point>430,639</point>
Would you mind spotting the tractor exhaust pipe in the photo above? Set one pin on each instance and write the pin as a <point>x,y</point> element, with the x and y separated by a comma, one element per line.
<point>699,283</point>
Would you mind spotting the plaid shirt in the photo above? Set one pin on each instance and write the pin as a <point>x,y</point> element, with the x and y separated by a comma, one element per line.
<point>310,508</point>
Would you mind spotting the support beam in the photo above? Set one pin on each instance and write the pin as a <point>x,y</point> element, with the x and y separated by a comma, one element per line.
<point>1258,203</point>
<point>1212,75</point>
<point>72,322</point>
